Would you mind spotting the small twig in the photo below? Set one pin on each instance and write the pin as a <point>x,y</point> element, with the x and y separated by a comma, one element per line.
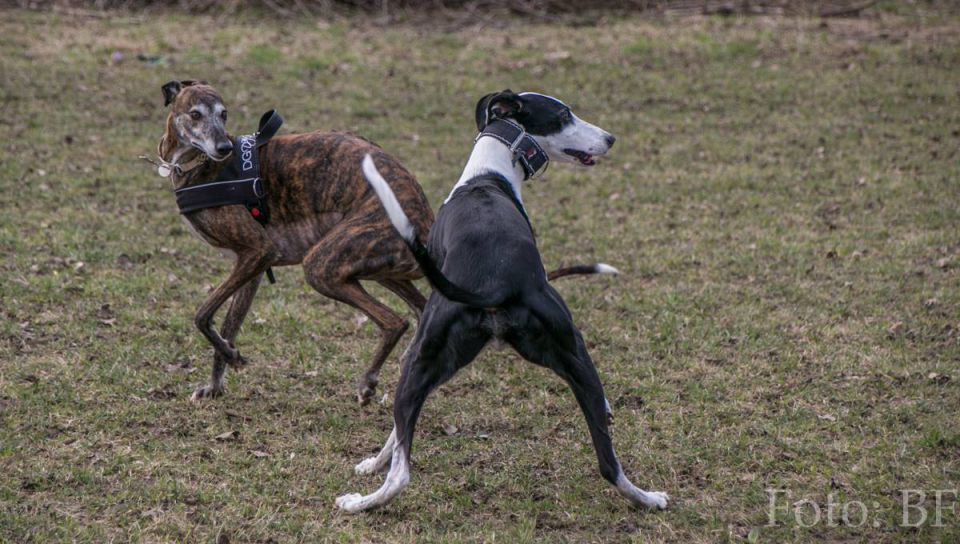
<point>275,6</point>
<point>106,14</point>
<point>847,11</point>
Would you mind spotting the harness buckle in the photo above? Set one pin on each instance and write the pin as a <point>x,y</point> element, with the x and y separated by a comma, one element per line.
<point>257,186</point>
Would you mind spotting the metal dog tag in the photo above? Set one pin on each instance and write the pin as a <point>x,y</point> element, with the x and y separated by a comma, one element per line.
<point>163,170</point>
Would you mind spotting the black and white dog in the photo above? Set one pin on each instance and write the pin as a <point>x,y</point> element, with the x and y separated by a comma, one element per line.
<point>489,281</point>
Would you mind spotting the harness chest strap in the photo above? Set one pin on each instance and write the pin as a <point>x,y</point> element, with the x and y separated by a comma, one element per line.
<point>248,192</point>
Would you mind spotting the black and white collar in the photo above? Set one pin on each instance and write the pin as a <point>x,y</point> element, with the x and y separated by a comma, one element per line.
<point>524,148</point>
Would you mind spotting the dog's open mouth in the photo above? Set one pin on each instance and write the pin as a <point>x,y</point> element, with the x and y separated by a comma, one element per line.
<point>585,159</point>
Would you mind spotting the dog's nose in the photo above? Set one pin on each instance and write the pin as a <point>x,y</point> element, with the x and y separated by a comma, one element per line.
<point>610,140</point>
<point>224,148</point>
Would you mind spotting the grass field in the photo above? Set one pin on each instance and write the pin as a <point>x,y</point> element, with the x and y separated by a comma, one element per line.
<point>782,199</point>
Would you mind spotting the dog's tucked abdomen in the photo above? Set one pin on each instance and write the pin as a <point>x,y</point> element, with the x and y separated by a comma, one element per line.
<point>313,183</point>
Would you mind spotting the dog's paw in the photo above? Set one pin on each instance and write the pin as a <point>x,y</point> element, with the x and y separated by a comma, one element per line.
<point>208,391</point>
<point>368,466</point>
<point>656,500</point>
<point>366,389</point>
<point>351,503</point>
<point>364,395</point>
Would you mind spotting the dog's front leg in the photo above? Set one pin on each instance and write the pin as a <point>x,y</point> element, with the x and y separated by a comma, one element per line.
<point>249,266</point>
<point>378,463</point>
<point>239,306</point>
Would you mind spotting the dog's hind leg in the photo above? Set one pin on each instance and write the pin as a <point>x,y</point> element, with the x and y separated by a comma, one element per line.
<point>553,341</point>
<point>443,345</point>
<point>406,290</point>
<point>352,251</point>
<point>239,306</point>
<point>391,325</point>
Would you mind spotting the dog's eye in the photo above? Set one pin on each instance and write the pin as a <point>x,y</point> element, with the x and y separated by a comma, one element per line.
<point>195,115</point>
<point>223,115</point>
<point>566,116</point>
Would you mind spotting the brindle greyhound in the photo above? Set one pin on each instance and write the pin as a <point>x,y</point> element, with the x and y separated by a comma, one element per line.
<point>323,215</point>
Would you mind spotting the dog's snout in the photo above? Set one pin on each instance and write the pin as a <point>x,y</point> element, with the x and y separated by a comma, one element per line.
<point>225,147</point>
<point>610,140</point>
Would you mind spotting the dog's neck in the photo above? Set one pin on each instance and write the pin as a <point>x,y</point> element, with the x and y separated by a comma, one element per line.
<point>181,154</point>
<point>185,154</point>
<point>173,151</point>
<point>491,156</point>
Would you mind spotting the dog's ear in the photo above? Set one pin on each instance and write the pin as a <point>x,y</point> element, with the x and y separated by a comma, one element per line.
<point>497,106</point>
<point>170,90</point>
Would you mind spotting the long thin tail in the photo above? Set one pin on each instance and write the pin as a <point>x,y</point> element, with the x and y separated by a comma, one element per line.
<point>405,228</point>
<point>598,268</point>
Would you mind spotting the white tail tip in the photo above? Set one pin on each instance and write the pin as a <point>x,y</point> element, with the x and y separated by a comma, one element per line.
<point>388,199</point>
<point>606,269</point>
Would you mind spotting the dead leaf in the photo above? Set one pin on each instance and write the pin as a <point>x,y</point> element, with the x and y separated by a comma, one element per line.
<point>161,394</point>
<point>125,262</point>
<point>105,312</point>
<point>236,415</point>
<point>259,454</point>
<point>938,379</point>
<point>183,366</point>
<point>894,330</point>
<point>449,429</point>
<point>227,436</point>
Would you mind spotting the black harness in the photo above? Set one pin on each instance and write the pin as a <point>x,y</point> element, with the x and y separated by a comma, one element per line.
<point>239,181</point>
<point>525,149</point>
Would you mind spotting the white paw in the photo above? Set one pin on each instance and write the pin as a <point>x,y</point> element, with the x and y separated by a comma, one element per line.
<point>367,466</point>
<point>656,499</point>
<point>351,502</point>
